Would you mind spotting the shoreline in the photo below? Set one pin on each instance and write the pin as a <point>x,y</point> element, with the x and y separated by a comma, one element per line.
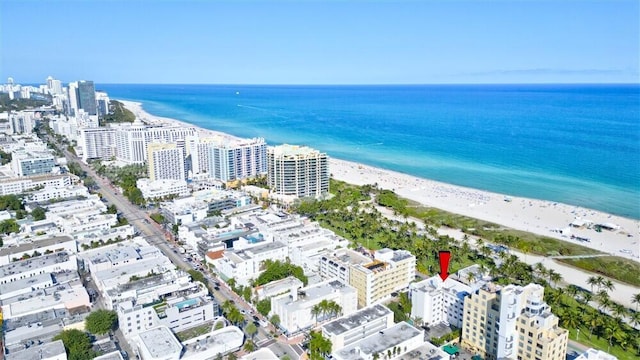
<point>531,215</point>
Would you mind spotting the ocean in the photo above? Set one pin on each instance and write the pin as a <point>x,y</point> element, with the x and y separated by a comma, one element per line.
<point>575,144</point>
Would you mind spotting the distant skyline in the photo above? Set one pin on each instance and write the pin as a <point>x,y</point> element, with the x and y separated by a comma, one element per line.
<point>331,42</point>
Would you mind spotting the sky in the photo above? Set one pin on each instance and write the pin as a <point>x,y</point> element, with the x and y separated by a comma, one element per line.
<point>312,42</point>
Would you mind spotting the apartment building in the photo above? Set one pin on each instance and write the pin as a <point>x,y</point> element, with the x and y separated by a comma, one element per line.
<point>512,322</point>
<point>436,301</point>
<point>132,139</point>
<point>388,272</point>
<point>337,265</point>
<point>297,171</point>
<point>165,162</point>
<point>244,265</point>
<point>365,322</point>
<point>237,159</point>
<point>29,163</point>
<point>294,308</point>
<point>97,143</point>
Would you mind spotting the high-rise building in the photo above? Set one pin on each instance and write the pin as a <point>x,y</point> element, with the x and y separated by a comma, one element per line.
<point>165,162</point>
<point>87,97</point>
<point>234,159</point>
<point>73,106</point>
<point>132,139</point>
<point>97,143</point>
<point>512,322</point>
<point>54,86</point>
<point>297,171</point>
<point>102,103</point>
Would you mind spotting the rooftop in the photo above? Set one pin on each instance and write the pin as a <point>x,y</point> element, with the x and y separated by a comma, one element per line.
<point>227,339</point>
<point>308,296</point>
<point>34,245</point>
<point>38,352</point>
<point>261,354</point>
<point>160,342</point>
<point>291,151</point>
<point>357,319</point>
<point>32,264</point>
<point>380,342</point>
<point>427,351</point>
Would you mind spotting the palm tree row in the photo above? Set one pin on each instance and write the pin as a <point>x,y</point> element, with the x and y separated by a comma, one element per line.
<point>365,226</point>
<point>232,313</point>
<point>326,309</point>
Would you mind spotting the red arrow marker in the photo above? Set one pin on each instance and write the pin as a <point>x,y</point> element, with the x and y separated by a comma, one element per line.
<point>444,257</point>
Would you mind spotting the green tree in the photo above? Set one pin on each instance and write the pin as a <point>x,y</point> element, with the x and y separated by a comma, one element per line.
<point>101,321</point>
<point>112,209</point>
<point>319,346</point>
<point>251,329</point>
<point>264,307</point>
<point>197,276</point>
<point>9,226</point>
<point>275,320</point>
<point>77,344</point>
<point>249,346</point>
<point>38,214</point>
<point>10,202</point>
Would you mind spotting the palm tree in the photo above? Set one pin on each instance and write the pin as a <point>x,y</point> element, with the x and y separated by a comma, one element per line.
<point>618,311</point>
<point>635,299</point>
<point>316,310</point>
<point>593,281</point>
<point>603,299</point>
<point>608,284</point>
<point>592,320</point>
<point>635,318</point>
<point>554,277</point>
<point>586,297</point>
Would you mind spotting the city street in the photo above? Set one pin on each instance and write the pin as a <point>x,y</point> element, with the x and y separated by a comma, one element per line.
<point>154,234</point>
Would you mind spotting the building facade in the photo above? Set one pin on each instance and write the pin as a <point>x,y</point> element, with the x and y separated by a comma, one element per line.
<point>512,322</point>
<point>165,162</point>
<point>297,171</point>
<point>390,271</point>
<point>237,160</point>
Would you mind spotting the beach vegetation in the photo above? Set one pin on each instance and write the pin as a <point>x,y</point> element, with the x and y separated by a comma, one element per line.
<point>351,213</point>
<point>618,268</point>
<point>118,113</point>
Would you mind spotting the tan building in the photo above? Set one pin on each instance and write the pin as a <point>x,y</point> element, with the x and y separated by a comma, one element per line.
<point>390,271</point>
<point>512,322</point>
<point>297,171</point>
<point>165,162</point>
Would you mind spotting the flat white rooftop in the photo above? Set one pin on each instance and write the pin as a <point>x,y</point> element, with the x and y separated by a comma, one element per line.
<point>427,351</point>
<point>21,266</point>
<point>357,319</point>
<point>380,342</point>
<point>160,342</point>
<point>38,352</point>
<point>262,354</point>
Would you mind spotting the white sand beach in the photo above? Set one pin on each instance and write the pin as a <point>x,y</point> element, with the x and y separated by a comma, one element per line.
<point>145,117</point>
<point>536,216</point>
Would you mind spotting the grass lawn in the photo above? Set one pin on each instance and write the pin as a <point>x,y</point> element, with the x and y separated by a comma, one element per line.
<point>625,270</point>
<point>602,344</point>
<point>194,332</point>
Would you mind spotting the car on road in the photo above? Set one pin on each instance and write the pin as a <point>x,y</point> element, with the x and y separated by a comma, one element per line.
<point>217,288</point>
<point>243,311</point>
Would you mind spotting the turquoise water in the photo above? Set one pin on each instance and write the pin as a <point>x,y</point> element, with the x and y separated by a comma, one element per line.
<point>576,144</point>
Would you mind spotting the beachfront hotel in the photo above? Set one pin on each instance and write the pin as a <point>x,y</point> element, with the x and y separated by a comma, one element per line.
<point>512,322</point>
<point>132,139</point>
<point>237,159</point>
<point>297,171</point>
<point>165,162</point>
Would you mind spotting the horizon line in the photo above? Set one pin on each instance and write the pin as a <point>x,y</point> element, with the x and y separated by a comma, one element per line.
<point>373,84</point>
